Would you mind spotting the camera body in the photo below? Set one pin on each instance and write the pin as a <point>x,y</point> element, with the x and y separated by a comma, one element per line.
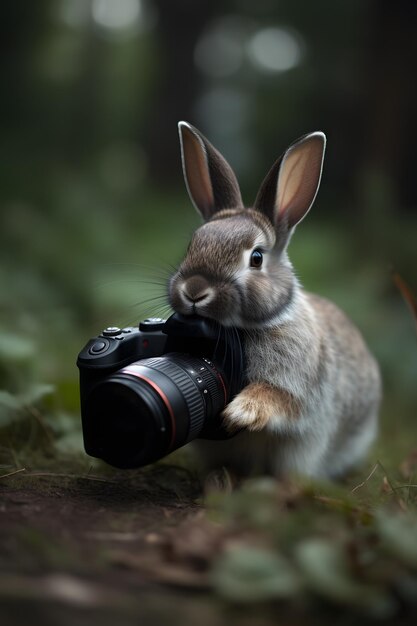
<point>148,390</point>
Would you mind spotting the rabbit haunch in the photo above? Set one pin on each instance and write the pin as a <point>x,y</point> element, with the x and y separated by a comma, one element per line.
<point>311,403</point>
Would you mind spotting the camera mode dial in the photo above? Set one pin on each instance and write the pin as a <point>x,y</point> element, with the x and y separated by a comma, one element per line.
<point>152,324</point>
<point>111,331</point>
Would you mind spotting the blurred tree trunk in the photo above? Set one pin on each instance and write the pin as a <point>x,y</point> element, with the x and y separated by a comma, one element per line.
<point>22,26</point>
<point>389,140</point>
<point>180,24</point>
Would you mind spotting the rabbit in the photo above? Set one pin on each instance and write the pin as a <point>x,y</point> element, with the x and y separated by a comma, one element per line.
<point>310,406</point>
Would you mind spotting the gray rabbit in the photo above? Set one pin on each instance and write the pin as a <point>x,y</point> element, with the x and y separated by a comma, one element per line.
<point>311,405</point>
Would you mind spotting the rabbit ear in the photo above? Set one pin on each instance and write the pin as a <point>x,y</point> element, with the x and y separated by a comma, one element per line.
<point>211,183</point>
<point>290,187</point>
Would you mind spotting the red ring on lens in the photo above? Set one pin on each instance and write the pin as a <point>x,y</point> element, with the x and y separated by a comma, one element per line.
<point>219,376</point>
<point>163,397</point>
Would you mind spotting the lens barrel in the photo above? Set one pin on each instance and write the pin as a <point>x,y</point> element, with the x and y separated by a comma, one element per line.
<point>153,406</point>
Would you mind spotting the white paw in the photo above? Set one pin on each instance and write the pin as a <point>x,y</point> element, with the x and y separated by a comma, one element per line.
<point>245,411</point>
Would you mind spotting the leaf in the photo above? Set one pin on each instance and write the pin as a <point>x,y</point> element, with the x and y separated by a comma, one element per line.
<point>36,393</point>
<point>71,443</point>
<point>12,404</point>
<point>247,574</point>
<point>325,568</point>
<point>9,401</point>
<point>399,536</point>
<point>9,406</point>
<point>15,348</point>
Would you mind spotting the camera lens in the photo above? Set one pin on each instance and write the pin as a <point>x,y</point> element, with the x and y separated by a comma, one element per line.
<point>153,406</point>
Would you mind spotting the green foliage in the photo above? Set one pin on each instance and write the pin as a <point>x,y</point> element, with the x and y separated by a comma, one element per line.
<point>247,574</point>
<point>298,541</point>
<point>327,572</point>
<point>399,536</point>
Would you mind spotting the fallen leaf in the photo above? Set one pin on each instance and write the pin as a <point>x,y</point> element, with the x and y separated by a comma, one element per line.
<point>385,486</point>
<point>246,574</point>
<point>152,566</point>
<point>325,565</point>
<point>195,542</point>
<point>399,536</point>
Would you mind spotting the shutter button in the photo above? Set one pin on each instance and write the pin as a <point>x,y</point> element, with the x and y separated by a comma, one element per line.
<point>111,331</point>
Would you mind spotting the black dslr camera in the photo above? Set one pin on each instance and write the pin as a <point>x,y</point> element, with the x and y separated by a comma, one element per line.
<point>148,390</point>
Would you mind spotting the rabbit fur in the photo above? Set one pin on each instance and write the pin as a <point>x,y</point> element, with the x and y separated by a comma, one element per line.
<point>313,393</point>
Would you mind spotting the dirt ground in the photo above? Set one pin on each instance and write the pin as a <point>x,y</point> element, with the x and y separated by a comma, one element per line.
<point>97,550</point>
<point>125,549</point>
<point>77,546</point>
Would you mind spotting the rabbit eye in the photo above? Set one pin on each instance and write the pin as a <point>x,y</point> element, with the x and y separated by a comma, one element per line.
<point>256,259</point>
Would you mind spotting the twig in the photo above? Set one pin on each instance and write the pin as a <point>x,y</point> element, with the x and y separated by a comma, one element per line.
<point>389,481</point>
<point>329,500</point>
<point>399,500</point>
<point>23,469</point>
<point>82,476</point>
<point>362,484</point>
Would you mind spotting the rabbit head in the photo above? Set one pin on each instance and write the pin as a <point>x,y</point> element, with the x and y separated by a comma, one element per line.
<point>236,269</point>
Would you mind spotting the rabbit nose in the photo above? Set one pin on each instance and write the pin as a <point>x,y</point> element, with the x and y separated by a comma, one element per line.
<point>196,290</point>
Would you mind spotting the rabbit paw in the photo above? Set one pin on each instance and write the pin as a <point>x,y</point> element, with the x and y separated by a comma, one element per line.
<point>252,408</point>
<point>258,405</point>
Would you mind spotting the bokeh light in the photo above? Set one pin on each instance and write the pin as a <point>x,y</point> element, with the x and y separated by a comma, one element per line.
<point>274,50</point>
<point>117,15</point>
